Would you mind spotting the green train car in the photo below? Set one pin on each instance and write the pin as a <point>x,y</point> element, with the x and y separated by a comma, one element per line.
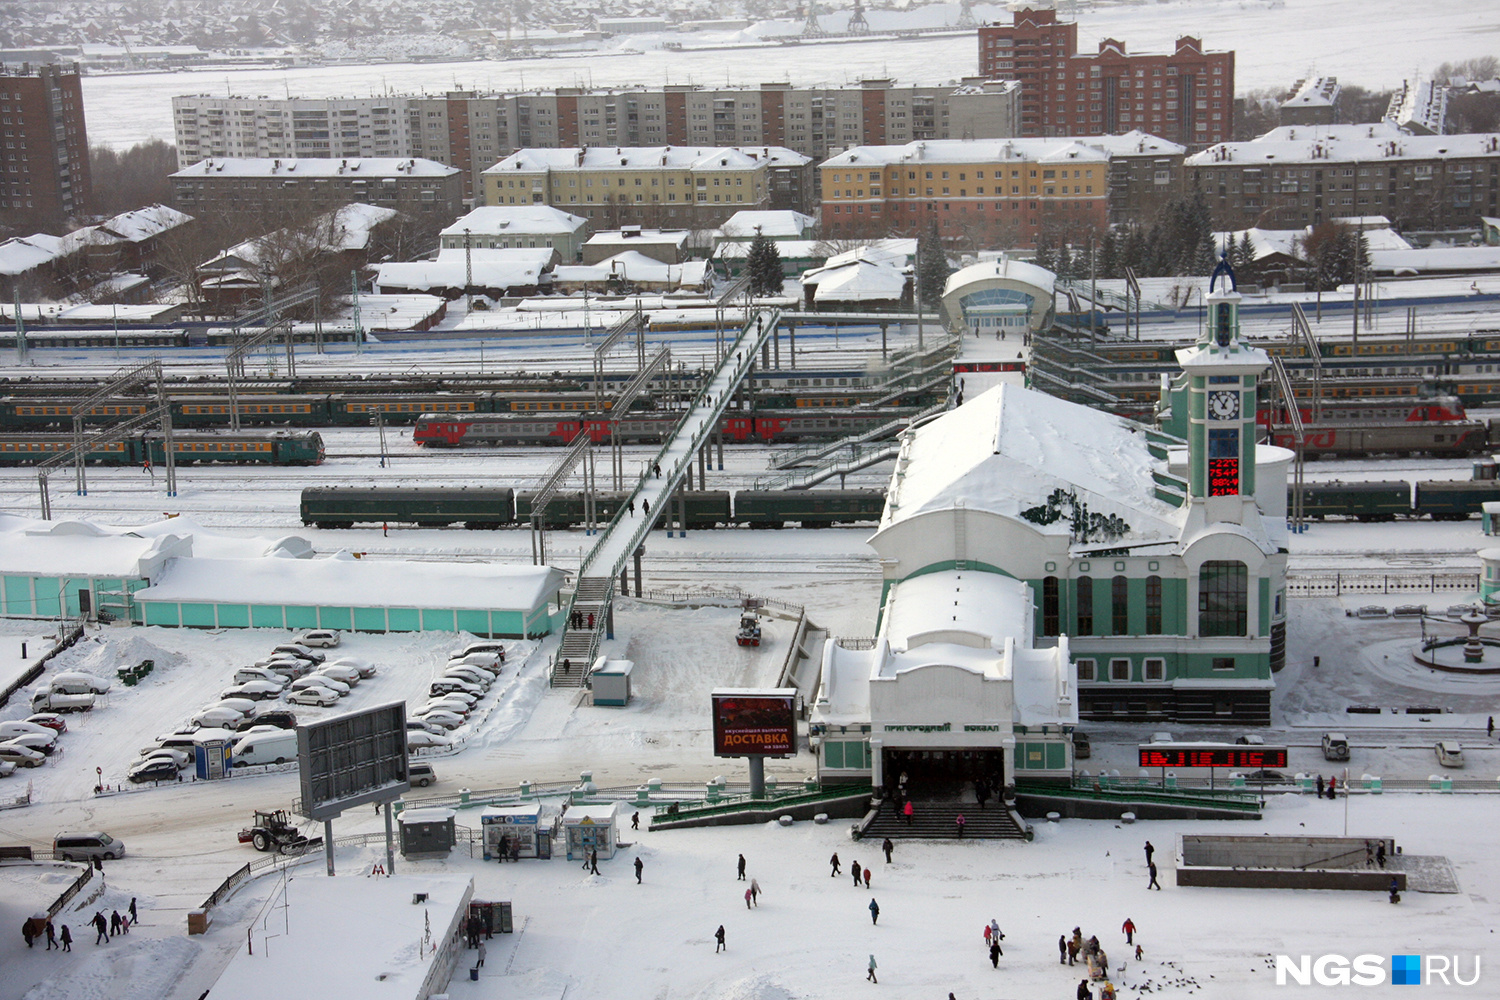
<point>343,507</point>
<point>1381,501</point>
<point>774,509</point>
<point>1456,500</point>
<point>253,447</point>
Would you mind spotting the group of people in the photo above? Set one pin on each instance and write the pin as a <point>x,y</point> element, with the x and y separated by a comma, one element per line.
<point>41,926</point>
<point>1332,789</point>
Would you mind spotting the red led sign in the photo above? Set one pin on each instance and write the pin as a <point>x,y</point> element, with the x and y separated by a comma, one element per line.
<point>1211,755</point>
<point>1223,477</point>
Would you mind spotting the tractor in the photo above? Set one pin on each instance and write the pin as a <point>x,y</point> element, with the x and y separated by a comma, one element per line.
<point>272,829</point>
<point>749,633</point>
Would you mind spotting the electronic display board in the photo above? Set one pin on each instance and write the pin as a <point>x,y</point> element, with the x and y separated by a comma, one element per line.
<point>353,760</point>
<point>1223,477</point>
<point>755,722</point>
<point>1211,755</point>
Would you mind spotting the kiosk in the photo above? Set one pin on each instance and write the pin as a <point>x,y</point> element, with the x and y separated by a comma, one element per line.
<point>611,682</point>
<point>590,828</point>
<point>529,827</point>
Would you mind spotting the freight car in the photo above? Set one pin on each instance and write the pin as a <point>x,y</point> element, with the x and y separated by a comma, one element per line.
<point>255,448</point>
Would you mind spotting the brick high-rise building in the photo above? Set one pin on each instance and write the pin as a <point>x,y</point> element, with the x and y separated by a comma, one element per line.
<point>44,163</point>
<point>1186,96</point>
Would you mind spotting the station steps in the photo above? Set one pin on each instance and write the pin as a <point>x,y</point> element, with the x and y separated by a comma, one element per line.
<point>580,645</point>
<point>935,821</point>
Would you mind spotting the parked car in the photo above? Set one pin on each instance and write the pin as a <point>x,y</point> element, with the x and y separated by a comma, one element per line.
<point>87,846</point>
<point>287,665</point>
<point>431,727</point>
<point>56,701</point>
<point>21,756</point>
<point>488,673</point>
<point>1250,739</point>
<point>1267,777</point>
<point>18,728</point>
<point>154,769</point>
<point>421,775</point>
<point>218,717</point>
<point>1449,753</point>
<point>78,682</point>
<point>245,675</point>
<point>348,675</point>
<point>418,740</point>
<point>248,707</point>
<point>365,667</point>
<point>439,717</point>
<point>179,757</point>
<point>278,717</point>
<point>338,687</point>
<point>297,649</point>
<point>265,746</point>
<point>36,741</point>
<point>254,691</point>
<point>1082,750</point>
<point>1335,746</point>
<point>443,685</point>
<point>313,696</point>
<point>7,768</point>
<point>445,705</point>
<point>490,661</point>
<point>492,646</point>
<point>473,675</point>
<point>186,740</point>
<point>323,638</point>
<point>51,720</point>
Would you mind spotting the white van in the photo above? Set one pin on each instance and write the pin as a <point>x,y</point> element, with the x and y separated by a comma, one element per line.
<point>265,748</point>
<point>53,701</point>
<point>78,682</point>
<point>1449,753</point>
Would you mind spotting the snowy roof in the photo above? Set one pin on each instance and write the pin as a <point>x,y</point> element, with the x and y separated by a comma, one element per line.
<point>345,581</point>
<point>1005,450</point>
<point>499,220</point>
<point>895,251</point>
<point>856,281</point>
<point>19,255</point>
<point>348,936</point>
<point>30,547</point>
<point>1314,92</point>
<point>634,266</point>
<point>1345,144</point>
<point>345,228</point>
<point>514,267</point>
<point>590,814</point>
<point>260,166</point>
<point>435,814</point>
<point>696,158</point>
<point>676,237</point>
<point>778,224</point>
<point>1288,242</point>
<point>923,611</point>
<point>1411,261</point>
<point>973,151</point>
<point>785,249</point>
<point>144,223</point>
<point>1006,269</point>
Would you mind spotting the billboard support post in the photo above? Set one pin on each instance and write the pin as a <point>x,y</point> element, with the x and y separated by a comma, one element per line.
<point>757,777</point>
<point>328,843</point>
<point>390,848</point>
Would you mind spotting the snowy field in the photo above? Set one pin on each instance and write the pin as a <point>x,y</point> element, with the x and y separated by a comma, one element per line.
<point>1376,44</point>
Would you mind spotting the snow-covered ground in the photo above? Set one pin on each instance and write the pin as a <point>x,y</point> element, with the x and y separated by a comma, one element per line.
<point>1375,44</point>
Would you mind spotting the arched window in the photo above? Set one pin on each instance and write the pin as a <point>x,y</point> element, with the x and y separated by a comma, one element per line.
<point>1153,605</point>
<point>1223,598</point>
<point>1085,605</point>
<point>1119,606</point>
<point>1051,623</point>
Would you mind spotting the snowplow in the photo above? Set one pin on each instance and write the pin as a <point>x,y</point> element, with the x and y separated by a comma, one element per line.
<point>749,633</point>
<point>273,830</point>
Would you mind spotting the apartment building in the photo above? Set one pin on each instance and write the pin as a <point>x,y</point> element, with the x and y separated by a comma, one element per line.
<point>1297,176</point>
<point>1186,96</point>
<point>1314,101</point>
<point>676,187</point>
<point>289,128</point>
<point>44,164</point>
<point>268,192</point>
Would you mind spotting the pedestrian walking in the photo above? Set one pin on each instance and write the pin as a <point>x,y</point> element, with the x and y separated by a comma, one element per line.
<point>1084,993</point>
<point>1153,884</point>
<point>874,911</point>
<point>1333,786</point>
<point>1129,928</point>
<point>102,926</point>
<point>867,876</point>
<point>1137,953</point>
<point>906,811</point>
<point>1380,854</point>
<point>959,822</point>
<point>146,468</point>
<point>645,506</point>
<point>593,861</point>
<point>67,938</point>
<point>28,931</point>
<point>630,506</point>
<point>995,934</point>
<point>888,847</point>
<point>1489,729</point>
<point>1320,786</point>
<point>1149,852</point>
<point>635,820</point>
<point>591,621</point>
<point>1062,949</point>
<point>1369,855</point>
<point>719,937</point>
<point>856,870</point>
<point>567,665</point>
<point>987,934</point>
<point>834,861</point>
<point>114,923</point>
<point>656,468</point>
<point>124,924</point>
<point>51,936</point>
<point>749,897</point>
<point>755,892</point>
<point>995,954</point>
<point>742,868</point>
<point>385,530</point>
<point>870,975</point>
<point>639,867</point>
<point>480,964</point>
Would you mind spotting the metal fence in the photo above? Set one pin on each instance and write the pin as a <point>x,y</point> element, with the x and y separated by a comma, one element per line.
<point>1335,583</point>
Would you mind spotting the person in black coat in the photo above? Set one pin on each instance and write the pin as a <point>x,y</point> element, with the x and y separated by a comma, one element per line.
<point>639,867</point>
<point>102,926</point>
<point>888,847</point>
<point>1084,993</point>
<point>719,937</point>
<point>741,868</point>
<point>995,953</point>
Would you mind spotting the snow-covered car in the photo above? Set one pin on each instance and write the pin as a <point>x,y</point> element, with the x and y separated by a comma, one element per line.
<point>491,647</point>
<point>18,728</point>
<point>473,675</point>
<point>1450,753</point>
<point>46,744</point>
<point>348,675</point>
<point>438,717</point>
<point>21,756</point>
<point>297,649</point>
<point>322,638</point>
<point>51,720</point>
<point>179,757</point>
<point>365,667</point>
<point>286,665</point>
<point>464,697</point>
<point>418,740</point>
<point>489,660</point>
<point>445,705</point>
<point>313,696</point>
<point>218,717</point>
<point>79,682</point>
<point>154,769</point>
<point>490,673</point>
<point>424,725</point>
<point>254,690</point>
<point>245,675</point>
<point>333,684</point>
<point>248,707</point>
<point>445,684</point>
<point>7,768</point>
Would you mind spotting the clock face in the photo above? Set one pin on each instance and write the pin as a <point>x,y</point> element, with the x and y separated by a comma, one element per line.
<point>1224,405</point>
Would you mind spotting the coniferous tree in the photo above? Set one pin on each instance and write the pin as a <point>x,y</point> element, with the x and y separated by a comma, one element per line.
<point>1066,268</point>
<point>763,263</point>
<point>934,270</point>
<point>1109,255</point>
<point>1046,254</point>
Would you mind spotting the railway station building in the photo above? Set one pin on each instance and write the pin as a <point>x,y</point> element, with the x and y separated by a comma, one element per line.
<point>1046,563</point>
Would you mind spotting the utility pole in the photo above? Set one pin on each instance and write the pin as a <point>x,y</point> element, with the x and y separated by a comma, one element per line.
<point>359,334</point>
<point>468,271</point>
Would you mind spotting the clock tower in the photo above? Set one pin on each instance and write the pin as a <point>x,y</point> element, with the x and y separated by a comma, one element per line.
<point>1221,374</point>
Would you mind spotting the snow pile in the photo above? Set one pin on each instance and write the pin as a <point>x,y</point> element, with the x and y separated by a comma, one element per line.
<point>124,649</point>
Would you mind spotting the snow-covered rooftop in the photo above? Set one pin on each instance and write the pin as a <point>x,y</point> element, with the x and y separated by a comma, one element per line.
<point>345,581</point>
<point>144,223</point>
<point>345,228</point>
<point>1007,449</point>
<point>695,158</point>
<point>80,548</point>
<point>1344,144</point>
<point>498,267</point>
<point>1030,150</point>
<point>776,224</point>
<point>625,237</point>
<point>501,220</point>
<point>634,266</point>
<point>923,609</point>
<point>264,166</point>
<point>1314,92</point>
<point>856,280</point>
<point>1006,268</point>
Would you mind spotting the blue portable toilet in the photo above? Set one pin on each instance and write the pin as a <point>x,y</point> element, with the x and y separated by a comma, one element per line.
<point>211,753</point>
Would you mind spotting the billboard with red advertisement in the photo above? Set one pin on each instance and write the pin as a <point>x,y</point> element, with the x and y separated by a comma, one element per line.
<point>755,722</point>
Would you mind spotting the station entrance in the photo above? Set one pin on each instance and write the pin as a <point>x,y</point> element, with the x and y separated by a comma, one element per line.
<point>942,774</point>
